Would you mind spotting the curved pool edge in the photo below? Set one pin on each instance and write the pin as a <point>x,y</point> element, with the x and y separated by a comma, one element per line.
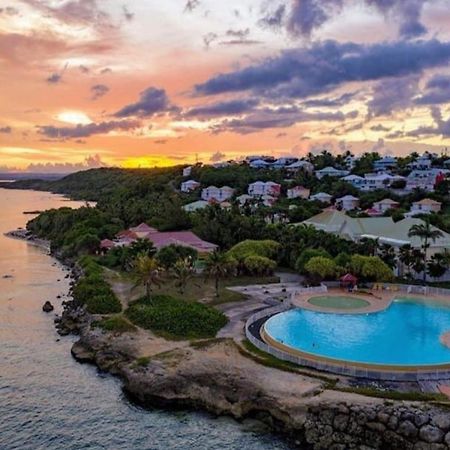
<point>266,343</point>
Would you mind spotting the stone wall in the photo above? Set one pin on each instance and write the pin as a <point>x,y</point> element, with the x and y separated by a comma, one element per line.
<point>346,427</point>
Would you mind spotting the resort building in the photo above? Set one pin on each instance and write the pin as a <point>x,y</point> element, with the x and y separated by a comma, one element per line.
<point>421,163</point>
<point>385,205</point>
<point>194,206</point>
<point>160,239</point>
<point>331,172</point>
<point>322,197</point>
<point>259,164</point>
<point>384,229</point>
<point>298,192</point>
<point>281,163</point>
<point>425,179</point>
<point>347,203</point>
<point>213,193</point>
<point>372,181</point>
<point>260,188</point>
<point>188,186</point>
<point>385,163</point>
<point>425,206</point>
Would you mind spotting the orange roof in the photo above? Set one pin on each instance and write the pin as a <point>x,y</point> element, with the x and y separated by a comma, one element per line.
<point>428,201</point>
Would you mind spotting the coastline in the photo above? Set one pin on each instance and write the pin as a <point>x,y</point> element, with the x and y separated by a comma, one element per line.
<point>216,377</point>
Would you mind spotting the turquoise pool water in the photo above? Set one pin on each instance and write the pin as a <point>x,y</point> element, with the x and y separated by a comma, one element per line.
<point>407,333</point>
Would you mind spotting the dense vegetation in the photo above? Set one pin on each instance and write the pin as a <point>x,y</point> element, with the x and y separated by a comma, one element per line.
<point>93,291</point>
<point>175,318</point>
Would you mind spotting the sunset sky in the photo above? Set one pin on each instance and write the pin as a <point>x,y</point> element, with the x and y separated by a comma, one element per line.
<point>85,83</point>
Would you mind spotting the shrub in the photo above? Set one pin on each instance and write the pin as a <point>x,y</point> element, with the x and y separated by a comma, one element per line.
<point>306,255</point>
<point>320,268</point>
<point>175,318</point>
<point>116,324</point>
<point>259,265</point>
<point>370,268</point>
<point>266,248</point>
<point>168,256</point>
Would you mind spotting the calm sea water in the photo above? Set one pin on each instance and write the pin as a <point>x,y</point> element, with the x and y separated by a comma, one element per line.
<point>47,400</point>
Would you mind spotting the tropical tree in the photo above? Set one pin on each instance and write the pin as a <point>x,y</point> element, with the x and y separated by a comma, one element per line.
<point>183,270</point>
<point>371,245</point>
<point>388,255</point>
<point>426,233</point>
<point>320,268</point>
<point>406,257</point>
<point>147,273</point>
<point>438,265</point>
<point>218,265</point>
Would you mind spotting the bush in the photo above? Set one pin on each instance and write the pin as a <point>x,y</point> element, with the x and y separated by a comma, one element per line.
<point>93,291</point>
<point>320,268</point>
<point>168,256</point>
<point>370,268</point>
<point>175,318</point>
<point>306,255</point>
<point>266,248</point>
<point>116,324</point>
<point>259,265</point>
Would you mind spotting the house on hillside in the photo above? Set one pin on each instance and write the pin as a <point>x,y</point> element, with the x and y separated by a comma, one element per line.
<point>259,164</point>
<point>188,186</point>
<point>298,192</point>
<point>421,163</point>
<point>425,206</point>
<point>194,206</point>
<point>187,171</point>
<point>260,188</point>
<point>385,163</point>
<point>213,193</point>
<point>281,163</point>
<point>347,203</point>
<point>300,165</point>
<point>425,179</point>
<point>384,205</point>
<point>244,199</point>
<point>322,197</point>
<point>331,172</point>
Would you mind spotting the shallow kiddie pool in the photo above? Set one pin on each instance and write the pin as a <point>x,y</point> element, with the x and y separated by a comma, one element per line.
<point>408,333</point>
<point>338,302</point>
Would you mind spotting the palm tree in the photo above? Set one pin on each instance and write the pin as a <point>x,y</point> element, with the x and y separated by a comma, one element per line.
<point>438,265</point>
<point>217,267</point>
<point>370,245</point>
<point>183,270</point>
<point>405,256</point>
<point>147,272</point>
<point>425,233</point>
<point>388,255</point>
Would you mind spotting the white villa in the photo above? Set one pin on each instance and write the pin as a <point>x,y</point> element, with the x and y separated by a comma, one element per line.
<point>301,165</point>
<point>424,179</point>
<point>187,171</point>
<point>385,163</point>
<point>425,206</point>
<point>217,194</point>
<point>188,186</point>
<point>371,181</point>
<point>347,203</point>
<point>298,192</point>
<point>331,172</point>
<point>321,197</point>
<point>260,188</point>
<point>384,205</point>
<point>421,163</point>
<point>194,206</point>
<point>259,164</point>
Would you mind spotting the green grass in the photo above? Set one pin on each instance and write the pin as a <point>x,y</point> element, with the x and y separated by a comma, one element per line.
<point>117,324</point>
<point>173,318</point>
<point>394,395</point>
<point>143,361</point>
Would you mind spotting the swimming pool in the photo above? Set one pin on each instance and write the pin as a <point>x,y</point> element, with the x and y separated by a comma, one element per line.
<point>406,334</point>
<point>338,302</point>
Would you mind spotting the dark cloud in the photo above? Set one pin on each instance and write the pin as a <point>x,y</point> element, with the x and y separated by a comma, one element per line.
<point>217,157</point>
<point>283,117</point>
<point>209,38</point>
<point>54,78</point>
<point>6,130</point>
<point>437,91</point>
<point>225,108</point>
<point>303,72</point>
<point>129,16</point>
<point>274,18</point>
<point>191,5</point>
<point>442,127</point>
<point>9,11</point>
<point>239,34</point>
<point>84,131</point>
<point>152,101</point>
<point>330,102</point>
<point>392,95</point>
<point>90,162</point>
<point>380,128</point>
<point>98,91</point>
<point>305,16</point>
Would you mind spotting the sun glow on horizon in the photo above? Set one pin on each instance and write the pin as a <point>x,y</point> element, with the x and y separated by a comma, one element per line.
<point>147,162</point>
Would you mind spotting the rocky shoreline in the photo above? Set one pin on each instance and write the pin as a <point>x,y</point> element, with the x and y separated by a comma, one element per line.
<point>216,377</point>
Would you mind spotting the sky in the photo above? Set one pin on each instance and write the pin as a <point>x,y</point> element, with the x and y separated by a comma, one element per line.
<point>143,83</point>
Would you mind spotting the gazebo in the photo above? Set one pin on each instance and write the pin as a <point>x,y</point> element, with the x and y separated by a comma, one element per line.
<point>348,281</point>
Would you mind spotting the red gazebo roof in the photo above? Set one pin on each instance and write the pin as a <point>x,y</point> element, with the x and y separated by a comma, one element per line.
<point>349,278</point>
